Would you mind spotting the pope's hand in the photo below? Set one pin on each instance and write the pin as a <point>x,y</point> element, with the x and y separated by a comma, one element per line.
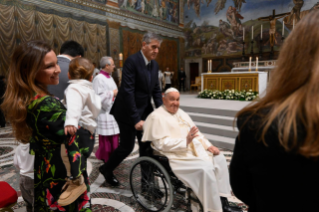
<point>213,150</point>
<point>192,134</point>
<point>139,125</point>
<point>70,129</point>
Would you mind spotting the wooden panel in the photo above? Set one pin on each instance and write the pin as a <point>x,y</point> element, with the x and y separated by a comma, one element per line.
<point>247,83</point>
<point>228,83</point>
<point>168,54</point>
<point>231,81</point>
<point>212,84</point>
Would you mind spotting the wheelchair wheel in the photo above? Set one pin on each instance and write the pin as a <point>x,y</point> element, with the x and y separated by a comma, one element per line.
<point>151,185</point>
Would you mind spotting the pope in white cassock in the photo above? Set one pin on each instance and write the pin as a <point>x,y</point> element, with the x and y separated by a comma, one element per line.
<point>193,159</point>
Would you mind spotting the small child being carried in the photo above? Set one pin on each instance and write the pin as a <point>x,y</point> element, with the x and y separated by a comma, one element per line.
<point>83,107</point>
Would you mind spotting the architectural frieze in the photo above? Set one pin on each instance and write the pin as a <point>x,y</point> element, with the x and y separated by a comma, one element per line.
<point>104,12</point>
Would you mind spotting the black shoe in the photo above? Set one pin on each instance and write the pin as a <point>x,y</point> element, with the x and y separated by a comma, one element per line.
<point>157,193</point>
<point>109,177</point>
<point>227,207</point>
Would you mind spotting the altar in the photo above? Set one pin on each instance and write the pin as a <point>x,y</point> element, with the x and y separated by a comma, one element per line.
<point>254,80</point>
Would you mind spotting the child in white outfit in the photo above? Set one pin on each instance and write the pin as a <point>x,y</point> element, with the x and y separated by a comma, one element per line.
<point>25,163</point>
<point>83,107</point>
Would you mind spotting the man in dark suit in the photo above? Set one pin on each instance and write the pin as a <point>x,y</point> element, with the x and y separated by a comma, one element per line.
<point>69,50</point>
<point>133,102</point>
<point>181,79</point>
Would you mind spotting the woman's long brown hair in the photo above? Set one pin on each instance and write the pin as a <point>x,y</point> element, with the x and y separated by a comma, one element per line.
<point>292,95</point>
<point>26,62</point>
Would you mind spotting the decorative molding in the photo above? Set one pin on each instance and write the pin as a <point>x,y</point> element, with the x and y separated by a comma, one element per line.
<point>96,6</point>
<point>181,12</point>
<point>114,24</point>
<point>114,4</point>
<point>103,12</point>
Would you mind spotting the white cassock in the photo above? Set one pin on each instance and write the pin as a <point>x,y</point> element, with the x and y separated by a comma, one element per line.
<point>205,174</point>
<point>106,123</point>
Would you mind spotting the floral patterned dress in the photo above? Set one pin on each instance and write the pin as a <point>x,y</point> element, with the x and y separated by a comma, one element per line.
<point>46,117</point>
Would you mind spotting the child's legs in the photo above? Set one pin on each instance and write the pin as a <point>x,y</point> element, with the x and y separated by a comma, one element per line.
<point>79,148</point>
<point>65,159</point>
<point>27,191</point>
<point>86,144</point>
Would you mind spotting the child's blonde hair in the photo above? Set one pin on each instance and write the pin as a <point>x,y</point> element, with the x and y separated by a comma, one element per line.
<point>81,68</point>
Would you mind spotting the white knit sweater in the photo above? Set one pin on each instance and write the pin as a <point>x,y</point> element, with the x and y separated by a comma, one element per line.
<point>83,105</point>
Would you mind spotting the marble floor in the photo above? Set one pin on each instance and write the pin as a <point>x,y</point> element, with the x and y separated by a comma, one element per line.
<point>104,197</point>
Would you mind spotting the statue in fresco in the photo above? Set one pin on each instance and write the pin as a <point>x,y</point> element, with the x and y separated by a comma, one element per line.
<point>155,11</point>
<point>124,4</point>
<point>296,13</point>
<point>272,31</point>
<point>142,6</point>
<point>233,18</point>
<point>225,28</point>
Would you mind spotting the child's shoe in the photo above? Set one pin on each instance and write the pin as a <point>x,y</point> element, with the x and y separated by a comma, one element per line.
<point>74,189</point>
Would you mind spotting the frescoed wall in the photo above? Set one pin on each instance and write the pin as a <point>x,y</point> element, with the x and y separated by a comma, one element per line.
<point>165,10</point>
<point>215,28</point>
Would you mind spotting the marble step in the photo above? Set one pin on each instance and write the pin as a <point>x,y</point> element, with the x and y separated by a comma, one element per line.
<point>221,141</point>
<point>212,119</point>
<point>209,111</point>
<point>215,129</point>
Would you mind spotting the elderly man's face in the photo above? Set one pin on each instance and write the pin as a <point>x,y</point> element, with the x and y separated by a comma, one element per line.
<point>151,50</point>
<point>171,102</point>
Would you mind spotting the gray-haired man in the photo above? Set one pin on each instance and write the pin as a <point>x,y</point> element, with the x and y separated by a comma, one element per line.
<point>133,102</point>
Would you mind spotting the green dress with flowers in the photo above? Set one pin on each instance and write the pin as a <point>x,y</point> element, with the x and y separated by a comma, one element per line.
<point>46,117</point>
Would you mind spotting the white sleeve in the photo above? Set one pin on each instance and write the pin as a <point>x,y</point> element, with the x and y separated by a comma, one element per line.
<point>105,95</point>
<point>75,103</point>
<point>15,159</point>
<point>94,104</point>
<point>171,144</point>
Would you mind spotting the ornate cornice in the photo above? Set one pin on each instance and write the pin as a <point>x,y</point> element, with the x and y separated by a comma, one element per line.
<point>124,13</point>
<point>105,12</point>
<point>113,24</point>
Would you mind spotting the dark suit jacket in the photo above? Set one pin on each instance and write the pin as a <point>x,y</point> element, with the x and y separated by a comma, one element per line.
<point>181,74</point>
<point>133,102</point>
<point>267,178</point>
<point>58,90</point>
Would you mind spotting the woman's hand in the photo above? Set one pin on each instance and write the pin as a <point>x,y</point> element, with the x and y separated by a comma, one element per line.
<point>70,129</point>
<point>192,134</point>
<point>213,150</point>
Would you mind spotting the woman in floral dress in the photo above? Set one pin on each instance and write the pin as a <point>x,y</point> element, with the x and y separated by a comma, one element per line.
<point>38,118</point>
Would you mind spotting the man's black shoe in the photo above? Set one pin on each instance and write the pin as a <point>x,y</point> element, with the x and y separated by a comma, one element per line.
<point>109,177</point>
<point>227,207</point>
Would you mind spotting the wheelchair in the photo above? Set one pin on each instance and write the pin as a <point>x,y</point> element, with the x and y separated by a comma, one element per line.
<point>154,185</point>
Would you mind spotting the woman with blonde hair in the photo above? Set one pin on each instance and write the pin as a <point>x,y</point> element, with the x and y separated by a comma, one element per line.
<point>38,118</point>
<point>275,163</point>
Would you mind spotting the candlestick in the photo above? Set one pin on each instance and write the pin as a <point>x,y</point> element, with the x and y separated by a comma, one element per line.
<point>261,32</point>
<point>243,57</point>
<point>249,69</point>
<point>207,65</point>
<point>283,29</point>
<point>120,56</point>
<point>260,48</point>
<point>252,32</point>
<point>252,48</point>
<point>256,63</point>
<point>243,33</point>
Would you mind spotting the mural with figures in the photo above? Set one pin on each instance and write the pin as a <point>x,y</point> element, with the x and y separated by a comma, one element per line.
<point>219,27</point>
<point>165,10</point>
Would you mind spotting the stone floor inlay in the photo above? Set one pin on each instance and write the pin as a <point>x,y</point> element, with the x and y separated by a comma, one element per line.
<point>103,196</point>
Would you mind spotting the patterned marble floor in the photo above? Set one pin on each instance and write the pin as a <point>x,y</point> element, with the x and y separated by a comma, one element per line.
<point>104,197</point>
